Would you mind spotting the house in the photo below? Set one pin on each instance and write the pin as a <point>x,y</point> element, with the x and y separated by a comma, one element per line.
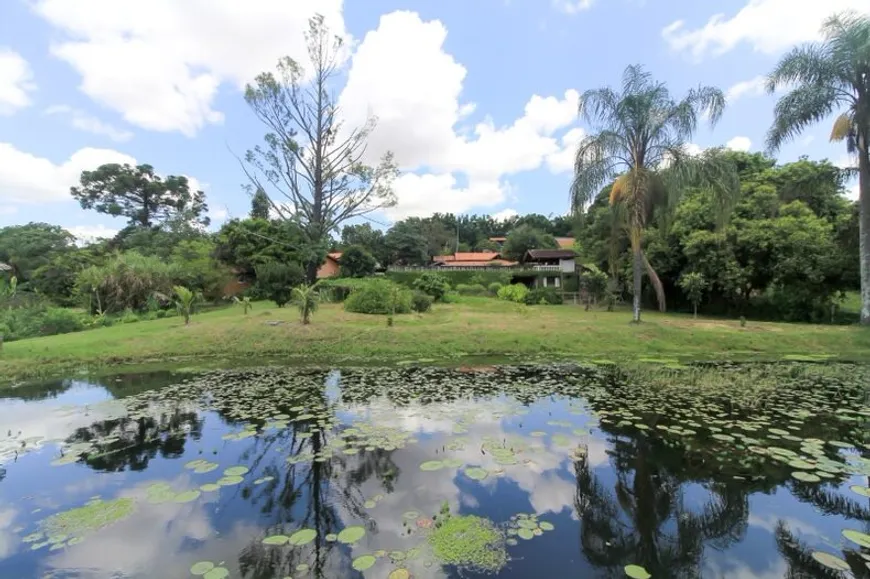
<point>560,262</point>
<point>471,260</point>
<point>566,242</point>
<point>331,267</point>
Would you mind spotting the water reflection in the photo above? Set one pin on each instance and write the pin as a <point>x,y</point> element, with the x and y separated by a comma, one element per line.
<point>325,453</point>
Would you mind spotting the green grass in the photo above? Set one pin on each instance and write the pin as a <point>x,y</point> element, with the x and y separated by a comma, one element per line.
<point>475,327</point>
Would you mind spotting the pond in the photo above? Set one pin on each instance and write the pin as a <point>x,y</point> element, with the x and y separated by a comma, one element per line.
<point>594,470</point>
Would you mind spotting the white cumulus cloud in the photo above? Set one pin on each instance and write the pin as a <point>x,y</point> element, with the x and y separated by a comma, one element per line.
<point>746,88</point>
<point>90,124</point>
<point>27,178</point>
<point>766,26</point>
<point>85,234</point>
<point>505,214</point>
<point>16,82</point>
<point>401,74</point>
<point>572,6</point>
<point>739,144</point>
<point>160,63</point>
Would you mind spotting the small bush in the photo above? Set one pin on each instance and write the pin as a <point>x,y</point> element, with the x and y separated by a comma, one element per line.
<point>379,297</point>
<point>494,287</point>
<point>129,317</point>
<point>421,302</point>
<point>450,298</point>
<point>162,314</point>
<point>544,296</point>
<point>275,281</point>
<point>61,321</point>
<point>513,293</point>
<point>434,284</point>
<point>471,289</point>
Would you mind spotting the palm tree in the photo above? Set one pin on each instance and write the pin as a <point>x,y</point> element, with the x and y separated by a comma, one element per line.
<point>825,78</point>
<point>306,299</point>
<point>640,147</point>
<point>185,301</point>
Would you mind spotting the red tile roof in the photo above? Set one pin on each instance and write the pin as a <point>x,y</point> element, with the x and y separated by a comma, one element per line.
<point>466,256</point>
<point>334,256</point>
<point>565,242</point>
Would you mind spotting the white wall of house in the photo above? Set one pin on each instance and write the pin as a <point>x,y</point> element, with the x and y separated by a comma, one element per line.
<point>567,265</point>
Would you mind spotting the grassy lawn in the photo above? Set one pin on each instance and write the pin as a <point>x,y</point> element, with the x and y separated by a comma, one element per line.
<point>477,326</point>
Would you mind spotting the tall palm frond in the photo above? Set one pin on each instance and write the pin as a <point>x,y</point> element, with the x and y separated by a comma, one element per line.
<point>639,145</point>
<point>832,76</point>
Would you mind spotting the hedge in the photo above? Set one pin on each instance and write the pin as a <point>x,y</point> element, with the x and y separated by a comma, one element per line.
<point>471,277</point>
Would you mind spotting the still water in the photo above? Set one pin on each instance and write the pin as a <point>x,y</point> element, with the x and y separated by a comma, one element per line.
<point>512,472</point>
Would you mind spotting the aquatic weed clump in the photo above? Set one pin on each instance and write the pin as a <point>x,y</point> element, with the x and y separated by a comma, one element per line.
<point>92,517</point>
<point>471,542</point>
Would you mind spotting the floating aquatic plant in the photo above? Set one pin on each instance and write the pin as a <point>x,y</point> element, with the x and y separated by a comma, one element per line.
<point>469,541</point>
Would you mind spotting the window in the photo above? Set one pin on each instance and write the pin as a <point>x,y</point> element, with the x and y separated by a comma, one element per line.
<point>556,281</point>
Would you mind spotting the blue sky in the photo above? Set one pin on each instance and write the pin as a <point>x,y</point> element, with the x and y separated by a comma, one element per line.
<point>476,99</point>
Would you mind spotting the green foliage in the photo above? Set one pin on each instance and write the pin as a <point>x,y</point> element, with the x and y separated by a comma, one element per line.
<point>434,284</point>
<point>406,244</point>
<point>356,261</point>
<point>185,302</point>
<point>594,283</point>
<point>260,205</point>
<point>28,247</point>
<point>468,541</point>
<point>245,302</point>
<point>524,238</point>
<point>379,297</point>
<point>407,278</point>
<point>494,287</point>
<point>471,289</point>
<point>544,296</point>
<point>276,280</point>
<point>823,79</point>
<point>513,293</point>
<point>60,321</point>
<point>196,268</point>
<point>648,176</point>
<point>421,302</point>
<point>125,281</point>
<point>56,280</point>
<point>140,195</point>
<point>694,285</point>
<point>306,298</point>
<point>246,244</point>
<point>367,237</point>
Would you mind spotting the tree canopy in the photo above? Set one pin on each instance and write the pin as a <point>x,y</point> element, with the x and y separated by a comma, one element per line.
<point>140,195</point>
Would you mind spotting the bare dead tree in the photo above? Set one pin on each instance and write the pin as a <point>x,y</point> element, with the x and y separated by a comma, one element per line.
<point>308,160</point>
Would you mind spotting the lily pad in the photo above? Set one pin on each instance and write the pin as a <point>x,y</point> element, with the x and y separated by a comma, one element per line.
<point>526,534</point>
<point>209,487</point>
<point>637,572</point>
<point>236,471</point>
<point>476,473</point>
<point>545,526</point>
<point>858,489</point>
<point>399,574</point>
<point>201,568</point>
<point>806,476</point>
<point>229,481</point>
<point>857,537</point>
<point>187,496</point>
<point>363,562</point>
<point>217,573</point>
<point>351,535</point>
<point>831,561</point>
<point>276,540</point>
<point>303,537</point>
<point>431,465</point>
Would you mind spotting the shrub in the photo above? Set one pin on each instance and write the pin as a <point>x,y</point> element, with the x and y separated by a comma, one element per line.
<point>513,293</point>
<point>185,301</point>
<point>129,317</point>
<point>356,261</point>
<point>379,297</point>
<point>450,298</point>
<point>434,284</point>
<point>594,284</point>
<point>275,281</point>
<point>421,302</point>
<point>60,321</point>
<point>455,277</point>
<point>471,290</point>
<point>127,281</point>
<point>544,296</point>
<point>494,287</point>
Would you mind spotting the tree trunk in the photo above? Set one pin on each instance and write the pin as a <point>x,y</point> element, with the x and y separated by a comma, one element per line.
<point>311,273</point>
<point>864,225</point>
<point>696,310</point>
<point>638,277</point>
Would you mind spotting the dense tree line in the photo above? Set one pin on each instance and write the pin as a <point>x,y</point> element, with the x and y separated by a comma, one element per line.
<point>787,251</point>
